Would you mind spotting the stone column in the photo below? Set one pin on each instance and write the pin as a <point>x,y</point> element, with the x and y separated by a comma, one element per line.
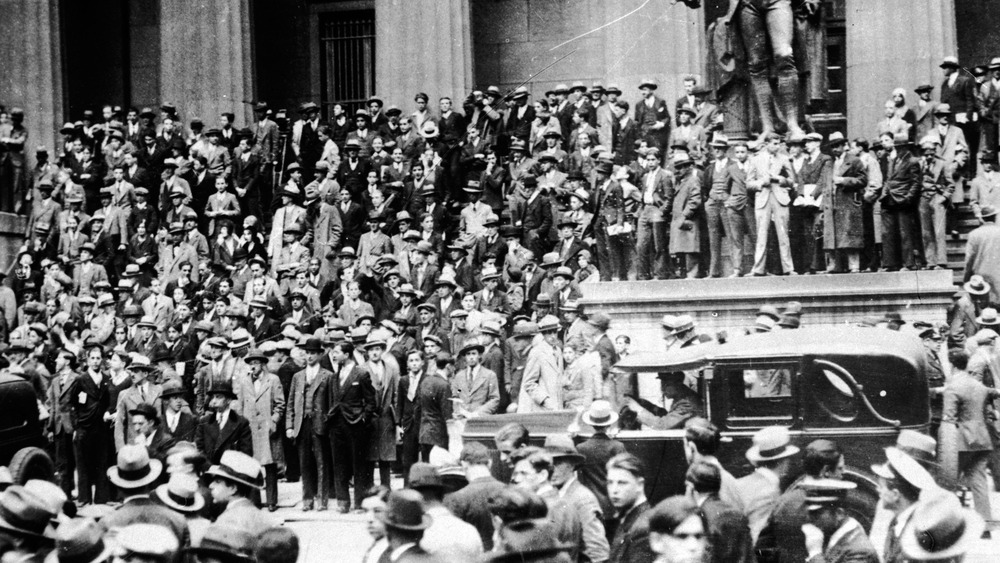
<point>893,44</point>
<point>422,46</point>
<point>207,58</point>
<point>31,78</point>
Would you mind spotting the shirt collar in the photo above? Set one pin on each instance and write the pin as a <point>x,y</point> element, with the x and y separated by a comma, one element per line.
<point>770,475</point>
<point>847,527</point>
<point>399,551</point>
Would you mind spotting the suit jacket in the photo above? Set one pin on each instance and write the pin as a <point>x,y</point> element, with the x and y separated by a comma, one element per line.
<point>769,175</point>
<point>264,410</point>
<point>781,538</point>
<point>851,545</point>
<point>608,204</point>
<point>982,256</point>
<point>353,402</point>
<point>315,400</point>
<point>60,404</point>
<point>646,117</point>
<point>128,400</point>
<point>185,430</point>
<point>925,119</point>
<point>759,494</point>
<point>962,96</point>
<point>242,514</point>
<point>729,533</point>
<point>285,215</point>
<point>265,134</point>
<point>541,383</point>
<point>143,510</point>
<point>352,223</point>
<point>482,396</point>
<point>435,410</point>
<point>965,402</point>
<point>471,504</point>
<point>663,188</point>
<point>901,188</point>
<point>235,435</point>
<point>83,281</point>
<point>631,540</point>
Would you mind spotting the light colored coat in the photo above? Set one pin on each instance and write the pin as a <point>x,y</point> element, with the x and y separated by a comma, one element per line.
<point>128,400</point>
<point>541,387</point>
<point>758,495</point>
<point>263,409</point>
<point>482,396</point>
<point>383,441</point>
<point>285,215</point>
<point>982,256</point>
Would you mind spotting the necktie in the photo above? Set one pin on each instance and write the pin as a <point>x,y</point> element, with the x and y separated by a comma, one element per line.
<point>219,419</point>
<point>411,390</point>
<point>470,379</point>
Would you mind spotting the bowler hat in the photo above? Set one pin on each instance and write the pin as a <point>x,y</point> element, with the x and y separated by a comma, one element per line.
<point>405,508</point>
<point>313,345</point>
<point>222,387</point>
<point>647,83</point>
<point>172,387</point>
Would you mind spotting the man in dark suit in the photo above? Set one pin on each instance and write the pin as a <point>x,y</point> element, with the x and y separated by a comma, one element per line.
<point>177,424</point>
<point>602,342</point>
<point>652,116</point>
<point>520,116</point>
<point>408,407</point>
<point>537,219</point>
<point>626,491</point>
<point>90,396</point>
<point>352,217</point>
<point>310,147</point>
<point>685,404</point>
<point>472,502</point>
<point>136,475</point>
<point>899,198</point>
<point>959,91</point>
<point>60,424</point>
<point>609,212</point>
<point>434,397</point>
<point>728,531</point>
<point>262,328</point>
<point>351,412</point>
<point>222,429</point>
<point>305,423</point>
<point>405,520</point>
<point>597,451</point>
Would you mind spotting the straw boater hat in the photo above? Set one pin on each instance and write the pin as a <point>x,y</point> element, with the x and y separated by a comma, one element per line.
<point>899,465</point>
<point>134,468</point>
<point>770,444</point>
<point>238,467</point>
<point>940,529</point>
<point>180,494</point>
<point>600,413</point>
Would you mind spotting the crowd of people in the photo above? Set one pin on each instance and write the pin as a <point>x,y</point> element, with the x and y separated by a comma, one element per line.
<point>208,310</point>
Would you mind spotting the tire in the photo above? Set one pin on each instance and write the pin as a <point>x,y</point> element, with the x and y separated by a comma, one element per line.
<point>862,502</point>
<point>31,463</point>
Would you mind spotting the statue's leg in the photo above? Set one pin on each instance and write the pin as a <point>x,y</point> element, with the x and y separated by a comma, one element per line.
<point>753,31</point>
<point>781,29</point>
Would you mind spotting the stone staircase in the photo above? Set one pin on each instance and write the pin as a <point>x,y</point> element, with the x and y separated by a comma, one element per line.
<point>956,244</point>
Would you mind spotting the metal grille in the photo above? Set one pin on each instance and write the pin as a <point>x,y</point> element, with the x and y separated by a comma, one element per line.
<point>347,48</point>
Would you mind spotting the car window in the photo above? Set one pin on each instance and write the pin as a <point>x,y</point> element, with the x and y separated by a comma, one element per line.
<point>760,395</point>
<point>832,394</point>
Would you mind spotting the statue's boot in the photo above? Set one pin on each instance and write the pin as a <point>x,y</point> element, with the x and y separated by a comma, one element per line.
<point>788,100</point>
<point>762,93</point>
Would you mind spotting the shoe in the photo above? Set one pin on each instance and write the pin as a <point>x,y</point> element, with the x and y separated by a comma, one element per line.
<point>793,273</point>
<point>272,508</point>
<point>343,508</point>
<point>307,506</point>
<point>736,275</point>
<point>321,506</point>
<point>986,535</point>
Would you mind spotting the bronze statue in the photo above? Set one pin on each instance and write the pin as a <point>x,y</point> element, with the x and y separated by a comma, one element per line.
<point>772,51</point>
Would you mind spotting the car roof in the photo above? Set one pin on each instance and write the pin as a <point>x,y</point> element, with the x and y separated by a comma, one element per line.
<point>809,341</point>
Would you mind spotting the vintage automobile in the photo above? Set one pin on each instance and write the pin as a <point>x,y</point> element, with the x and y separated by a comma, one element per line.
<point>855,386</point>
<point>21,439</point>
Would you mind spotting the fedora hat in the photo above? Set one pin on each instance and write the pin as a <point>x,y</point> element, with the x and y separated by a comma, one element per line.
<point>988,317</point>
<point>429,130</point>
<point>940,529</point>
<point>80,540</point>
<point>770,444</point>
<point>994,64</point>
<point>180,493</point>
<point>405,508</point>
<point>563,272</point>
<point>600,413</point>
<point>648,83</point>
<point>527,540</point>
<point>949,62</point>
<point>920,447</point>
<point>240,337</point>
<point>425,475</point>
<point>548,323</point>
<point>255,355</point>
<point>24,513</point>
<point>470,346</point>
<point>226,543</point>
<point>312,345</point>
<point>720,141</point>
<point>977,285</point>
<point>519,93</point>
<point>147,321</point>
<point>239,468</point>
<point>899,465</point>
<point>600,320</point>
<point>836,139</point>
<point>147,410</point>
<point>561,446</point>
<point>222,387</point>
<point>134,468</point>
<point>526,330</point>
<point>172,387</point>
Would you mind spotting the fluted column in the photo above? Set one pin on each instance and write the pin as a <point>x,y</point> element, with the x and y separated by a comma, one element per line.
<point>31,71</point>
<point>892,44</point>
<point>207,58</point>
<point>422,45</point>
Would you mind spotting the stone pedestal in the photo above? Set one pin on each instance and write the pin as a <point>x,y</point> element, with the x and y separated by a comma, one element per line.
<point>730,305</point>
<point>893,44</point>
<point>207,58</point>
<point>31,76</point>
<point>422,46</point>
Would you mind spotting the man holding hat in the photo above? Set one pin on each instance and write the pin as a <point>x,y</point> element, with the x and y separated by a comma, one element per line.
<point>262,403</point>
<point>832,535</point>
<point>306,413</point>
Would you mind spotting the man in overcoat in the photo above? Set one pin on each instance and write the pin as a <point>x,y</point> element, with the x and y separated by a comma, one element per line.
<point>351,414</point>
<point>262,403</point>
<point>843,227</point>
